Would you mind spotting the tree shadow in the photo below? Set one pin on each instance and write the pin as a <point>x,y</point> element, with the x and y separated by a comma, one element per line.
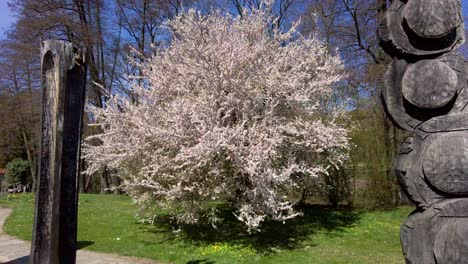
<point>273,236</point>
<point>22,260</point>
<point>83,244</point>
<point>25,259</point>
<point>201,261</point>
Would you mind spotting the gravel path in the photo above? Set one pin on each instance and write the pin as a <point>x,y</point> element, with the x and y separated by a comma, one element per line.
<point>16,251</point>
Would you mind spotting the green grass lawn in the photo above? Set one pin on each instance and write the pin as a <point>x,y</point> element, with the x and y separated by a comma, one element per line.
<point>107,223</point>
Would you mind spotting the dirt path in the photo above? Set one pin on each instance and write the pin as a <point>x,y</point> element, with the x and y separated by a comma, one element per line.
<point>16,251</point>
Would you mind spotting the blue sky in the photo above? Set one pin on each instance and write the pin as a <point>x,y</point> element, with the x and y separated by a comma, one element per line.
<point>465,7</point>
<point>7,18</point>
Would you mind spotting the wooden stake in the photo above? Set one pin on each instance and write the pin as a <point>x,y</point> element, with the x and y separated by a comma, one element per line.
<point>63,83</point>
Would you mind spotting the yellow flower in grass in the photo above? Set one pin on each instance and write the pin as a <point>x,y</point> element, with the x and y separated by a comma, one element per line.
<point>216,248</point>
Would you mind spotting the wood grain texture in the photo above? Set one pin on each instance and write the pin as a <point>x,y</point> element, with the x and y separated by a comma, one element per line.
<point>429,84</point>
<point>433,18</point>
<point>410,175</point>
<point>425,92</point>
<point>445,162</point>
<point>417,236</point>
<point>403,35</point>
<point>451,243</point>
<point>410,92</point>
<point>448,123</point>
<point>392,97</point>
<point>437,235</point>
<point>63,84</point>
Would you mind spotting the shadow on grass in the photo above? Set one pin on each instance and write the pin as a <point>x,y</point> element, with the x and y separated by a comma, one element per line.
<point>273,236</point>
<point>83,244</point>
<point>201,261</point>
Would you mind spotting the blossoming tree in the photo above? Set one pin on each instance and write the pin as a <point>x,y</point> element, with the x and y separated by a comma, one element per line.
<point>231,112</point>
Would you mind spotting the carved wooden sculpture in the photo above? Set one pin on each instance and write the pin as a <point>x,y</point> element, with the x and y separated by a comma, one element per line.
<point>63,84</point>
<point>425,92</point>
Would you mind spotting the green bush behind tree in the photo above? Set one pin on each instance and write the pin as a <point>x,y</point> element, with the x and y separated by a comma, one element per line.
<point>18,172</point>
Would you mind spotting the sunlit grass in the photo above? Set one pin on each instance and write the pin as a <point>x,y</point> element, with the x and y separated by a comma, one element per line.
<point>107,223</point>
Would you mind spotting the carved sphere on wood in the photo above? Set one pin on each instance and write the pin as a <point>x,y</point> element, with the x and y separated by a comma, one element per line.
<point>432,18</point>
<point>445,162</point>
<point>429,84</point>
<point>422,27</point>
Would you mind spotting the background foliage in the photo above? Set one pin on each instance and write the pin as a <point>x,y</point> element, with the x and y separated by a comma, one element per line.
<point>108,28</point>
<point>18,172</point>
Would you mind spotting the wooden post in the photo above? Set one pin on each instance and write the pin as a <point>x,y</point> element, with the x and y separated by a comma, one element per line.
<point>63,83</point>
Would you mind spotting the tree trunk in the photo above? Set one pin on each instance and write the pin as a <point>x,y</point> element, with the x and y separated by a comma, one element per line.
<point>104,181</point>
<point>31,157</point>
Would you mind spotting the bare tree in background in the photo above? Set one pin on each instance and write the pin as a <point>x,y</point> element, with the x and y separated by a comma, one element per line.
<point>106,28</point>
<point>19,68</point>
<point>350,26</point>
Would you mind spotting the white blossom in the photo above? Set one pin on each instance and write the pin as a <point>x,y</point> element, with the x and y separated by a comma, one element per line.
<point>230,112</point>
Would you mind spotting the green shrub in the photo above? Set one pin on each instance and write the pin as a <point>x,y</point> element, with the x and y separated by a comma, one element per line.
<point>336,187</point>
<point>18,172</point>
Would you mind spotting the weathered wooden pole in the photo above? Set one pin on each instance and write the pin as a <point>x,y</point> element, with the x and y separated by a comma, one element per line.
<point>63,82</point>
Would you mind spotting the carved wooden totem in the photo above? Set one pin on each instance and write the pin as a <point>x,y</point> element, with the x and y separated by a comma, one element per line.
<point>425,92</point>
